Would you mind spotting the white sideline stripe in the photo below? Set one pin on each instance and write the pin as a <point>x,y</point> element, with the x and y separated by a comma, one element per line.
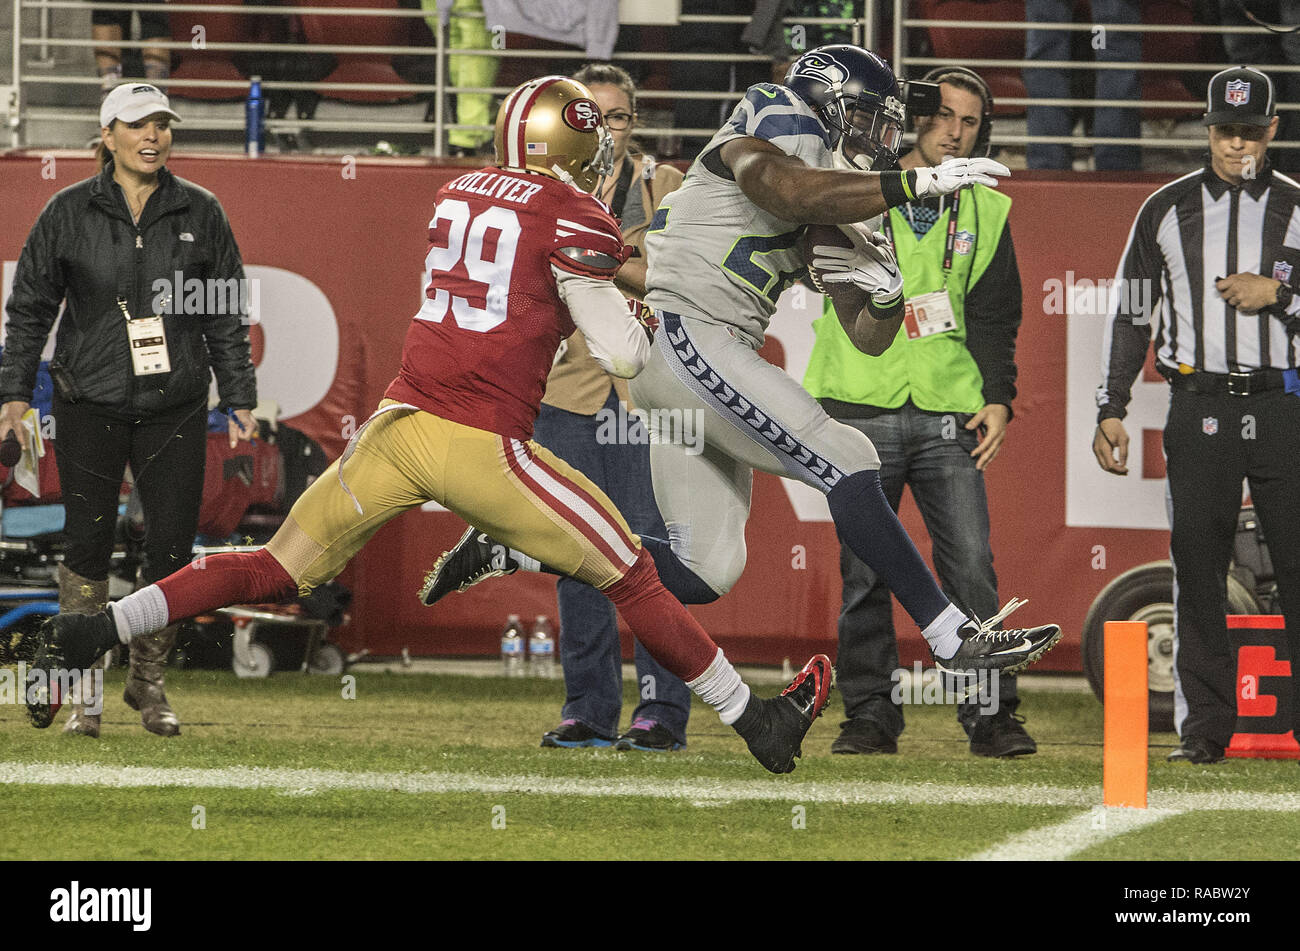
<point>252,777</point>
<point>1079,832</point>
<point>704,790</point>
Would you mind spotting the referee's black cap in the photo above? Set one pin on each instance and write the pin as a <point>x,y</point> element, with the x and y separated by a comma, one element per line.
<point>1240,95</point>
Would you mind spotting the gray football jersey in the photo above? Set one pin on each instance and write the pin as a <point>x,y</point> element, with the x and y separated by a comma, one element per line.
<point>714,254</point>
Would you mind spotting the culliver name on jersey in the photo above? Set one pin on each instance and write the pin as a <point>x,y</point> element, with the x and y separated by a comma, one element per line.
<point>494,185</point>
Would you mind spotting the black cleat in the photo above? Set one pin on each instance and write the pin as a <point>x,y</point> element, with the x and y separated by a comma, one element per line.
<point>67,645</point>
<point>476,557</point>
<point>983,648</point>
<point>774,729</point>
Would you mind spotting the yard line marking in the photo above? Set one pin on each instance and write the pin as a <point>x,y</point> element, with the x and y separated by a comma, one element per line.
<point>705,790</point>
<point>702,790</point>
<point>1063,839</point>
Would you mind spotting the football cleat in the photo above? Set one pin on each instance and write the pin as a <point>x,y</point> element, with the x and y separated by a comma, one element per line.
<point>774,729</point>
<point>983,648</point>
<point>66,643</point>
<point>476,557</point>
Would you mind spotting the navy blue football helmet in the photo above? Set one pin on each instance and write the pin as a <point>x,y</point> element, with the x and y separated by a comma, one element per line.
<point>857,98</point>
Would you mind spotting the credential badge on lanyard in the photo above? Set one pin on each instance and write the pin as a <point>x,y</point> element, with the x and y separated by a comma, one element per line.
<point>148,341</point>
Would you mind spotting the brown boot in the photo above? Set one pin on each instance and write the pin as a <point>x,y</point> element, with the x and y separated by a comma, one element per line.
<point>78,595</point>
<point>144,682</point>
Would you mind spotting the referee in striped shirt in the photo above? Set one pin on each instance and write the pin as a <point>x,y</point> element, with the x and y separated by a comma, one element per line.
<point>1211,265</point>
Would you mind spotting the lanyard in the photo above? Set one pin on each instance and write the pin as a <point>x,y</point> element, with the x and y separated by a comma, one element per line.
<point>949,241</point>
<point>121,303</point>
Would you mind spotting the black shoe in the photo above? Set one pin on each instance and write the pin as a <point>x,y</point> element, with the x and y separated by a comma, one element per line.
<point>983,648</point>
<point>474,558</point>
<point>999,735</point>
<point>649,736</point>
<point>571,734</point>
<point>774,729</point>
<point>66,643</point>
<point>863,736</point>
<point>1197,749</point>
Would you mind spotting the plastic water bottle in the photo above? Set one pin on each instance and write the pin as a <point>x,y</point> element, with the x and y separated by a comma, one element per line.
<point>512,647</point>
<point>255,119</point>
<point>541,648</point>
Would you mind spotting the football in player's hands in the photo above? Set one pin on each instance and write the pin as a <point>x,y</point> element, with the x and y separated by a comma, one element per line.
<point>847,297</point>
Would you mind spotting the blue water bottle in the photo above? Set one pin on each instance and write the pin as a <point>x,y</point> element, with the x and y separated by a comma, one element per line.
<point>255,119</point>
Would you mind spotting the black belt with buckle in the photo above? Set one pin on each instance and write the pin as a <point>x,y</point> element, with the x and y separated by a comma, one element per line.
<point>1234,384</point>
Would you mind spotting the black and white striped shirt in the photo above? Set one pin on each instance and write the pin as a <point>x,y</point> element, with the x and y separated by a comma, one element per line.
<point>1188,234</point>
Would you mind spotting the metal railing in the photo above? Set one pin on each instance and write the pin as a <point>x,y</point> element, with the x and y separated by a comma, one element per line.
<point>901,42</point>
<point>32,34</point>
<point>20,113</point>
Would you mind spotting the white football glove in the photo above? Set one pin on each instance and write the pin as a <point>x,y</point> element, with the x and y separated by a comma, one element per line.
<point>871,267</point>
<point>956,172</point>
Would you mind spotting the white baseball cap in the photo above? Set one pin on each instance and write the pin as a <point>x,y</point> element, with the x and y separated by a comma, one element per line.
<point>131,102</point>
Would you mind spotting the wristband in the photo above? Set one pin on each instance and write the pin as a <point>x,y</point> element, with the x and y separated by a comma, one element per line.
<point>885,310</point>
<point>898,188</point>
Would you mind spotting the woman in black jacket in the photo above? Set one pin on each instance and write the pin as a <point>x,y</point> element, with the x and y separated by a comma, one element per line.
<point>156,304</point>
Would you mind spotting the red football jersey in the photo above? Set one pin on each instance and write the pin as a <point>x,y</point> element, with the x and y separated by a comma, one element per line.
<point>479,350</point>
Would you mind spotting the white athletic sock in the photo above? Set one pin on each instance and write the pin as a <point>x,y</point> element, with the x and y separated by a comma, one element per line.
<point>722,689</point>
<point>143,612</point>
<point>941,633</point>
<point>525,563</point>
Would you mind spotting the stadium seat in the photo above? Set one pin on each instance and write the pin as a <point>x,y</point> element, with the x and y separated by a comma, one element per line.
<point>209,64</point>
<point>962,45</point>
<point>360,31</point>
<point>1171,48</point>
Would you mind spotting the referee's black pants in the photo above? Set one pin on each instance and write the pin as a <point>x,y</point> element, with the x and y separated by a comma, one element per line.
<point>1212,441</point>
<point>167,452</point>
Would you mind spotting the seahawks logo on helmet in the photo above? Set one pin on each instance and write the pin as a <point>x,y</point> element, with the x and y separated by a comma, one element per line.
<point>822,67</point>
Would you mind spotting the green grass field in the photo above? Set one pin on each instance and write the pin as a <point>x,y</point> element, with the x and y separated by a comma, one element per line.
<point>442,766</point>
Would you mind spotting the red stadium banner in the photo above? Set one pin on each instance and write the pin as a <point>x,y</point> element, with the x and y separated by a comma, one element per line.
<point>338,247</point>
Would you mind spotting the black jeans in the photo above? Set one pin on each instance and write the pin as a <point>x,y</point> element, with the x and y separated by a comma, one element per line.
<point>93,446</point>
<point>1212,442</point>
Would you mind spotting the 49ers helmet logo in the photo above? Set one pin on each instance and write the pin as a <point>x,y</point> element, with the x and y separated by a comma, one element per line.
<point>582,114</point>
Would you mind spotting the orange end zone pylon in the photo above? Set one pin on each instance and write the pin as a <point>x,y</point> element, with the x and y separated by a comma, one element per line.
<point>1124,752</point>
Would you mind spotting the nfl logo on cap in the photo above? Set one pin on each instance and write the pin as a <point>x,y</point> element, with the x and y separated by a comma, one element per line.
<point>1236,92</point>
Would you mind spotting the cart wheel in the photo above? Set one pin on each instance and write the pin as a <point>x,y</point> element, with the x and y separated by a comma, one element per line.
<point>328,660</point>
<point>1146,593</point>
<point>260,662</point>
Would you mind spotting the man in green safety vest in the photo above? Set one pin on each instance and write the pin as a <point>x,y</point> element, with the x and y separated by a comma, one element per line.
<point>936,405</point>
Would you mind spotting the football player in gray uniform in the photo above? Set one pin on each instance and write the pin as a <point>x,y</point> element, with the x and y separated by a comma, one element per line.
<point>819,149</point>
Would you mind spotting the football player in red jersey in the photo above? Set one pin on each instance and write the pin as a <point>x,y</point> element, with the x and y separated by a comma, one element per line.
<point>520,255</point>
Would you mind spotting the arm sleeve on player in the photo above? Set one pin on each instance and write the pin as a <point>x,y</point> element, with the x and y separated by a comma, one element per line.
<point>614,338</point>
<point>588,243</point>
